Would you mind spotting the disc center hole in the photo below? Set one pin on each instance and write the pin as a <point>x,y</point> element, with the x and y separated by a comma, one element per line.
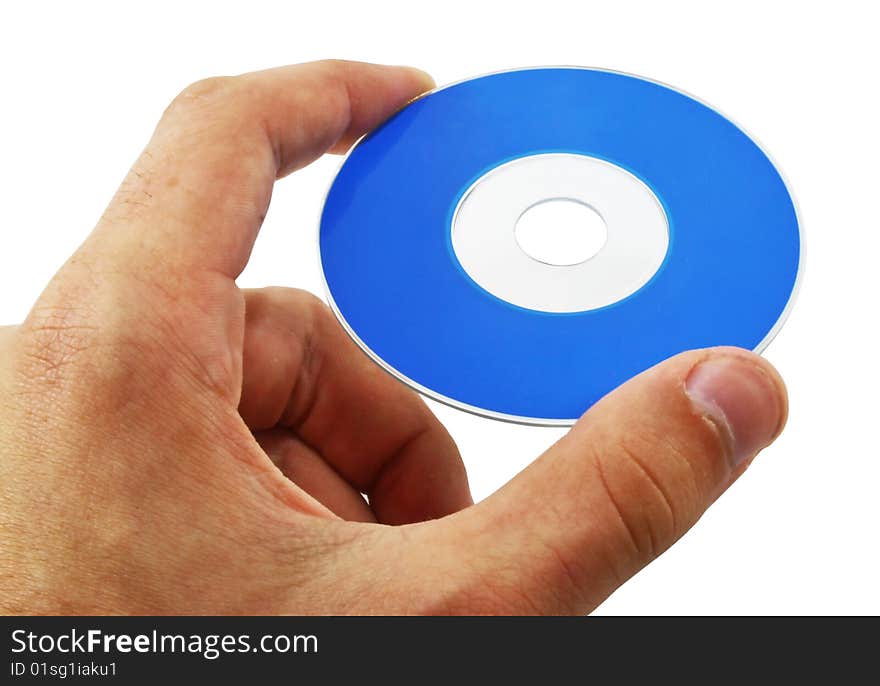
<point>561,232</point>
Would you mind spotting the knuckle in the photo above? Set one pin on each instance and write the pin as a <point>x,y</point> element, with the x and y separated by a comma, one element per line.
<point>300,305</point>
<point>317,312</point>
<point>209,89</point>
<point>206,93</point>
<point>300,299</point>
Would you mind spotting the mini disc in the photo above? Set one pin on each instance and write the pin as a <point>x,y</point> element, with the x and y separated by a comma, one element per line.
<point>424,270</point>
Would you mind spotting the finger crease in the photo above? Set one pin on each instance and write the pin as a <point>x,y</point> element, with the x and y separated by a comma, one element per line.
<point>393,460</point>
<point>616,506</point>
<point>308,378</point>
<point>655,482</point>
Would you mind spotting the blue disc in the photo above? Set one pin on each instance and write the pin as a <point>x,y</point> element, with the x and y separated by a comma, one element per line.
<point>399,289</point>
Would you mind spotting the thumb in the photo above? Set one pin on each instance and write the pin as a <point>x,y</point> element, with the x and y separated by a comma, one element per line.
<point>626,482</point>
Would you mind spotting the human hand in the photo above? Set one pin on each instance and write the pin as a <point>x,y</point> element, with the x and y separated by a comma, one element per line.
<point>170,443</point>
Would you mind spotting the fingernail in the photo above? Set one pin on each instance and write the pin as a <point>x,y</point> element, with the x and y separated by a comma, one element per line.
<point>741,399</point>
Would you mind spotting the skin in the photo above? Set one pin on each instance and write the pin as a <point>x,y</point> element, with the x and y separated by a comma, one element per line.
<point>171,443</point>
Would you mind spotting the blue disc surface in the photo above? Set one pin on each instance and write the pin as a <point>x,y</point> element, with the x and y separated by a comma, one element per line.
<point>398,288</point>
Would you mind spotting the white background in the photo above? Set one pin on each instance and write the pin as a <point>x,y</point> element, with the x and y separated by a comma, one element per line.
<point>83,85</point>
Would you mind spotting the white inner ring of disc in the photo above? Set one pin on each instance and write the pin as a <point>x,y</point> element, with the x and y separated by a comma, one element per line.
<point>484,241</point>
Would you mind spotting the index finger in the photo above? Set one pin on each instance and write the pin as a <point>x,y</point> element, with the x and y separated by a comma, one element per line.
<point>197,195</point>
